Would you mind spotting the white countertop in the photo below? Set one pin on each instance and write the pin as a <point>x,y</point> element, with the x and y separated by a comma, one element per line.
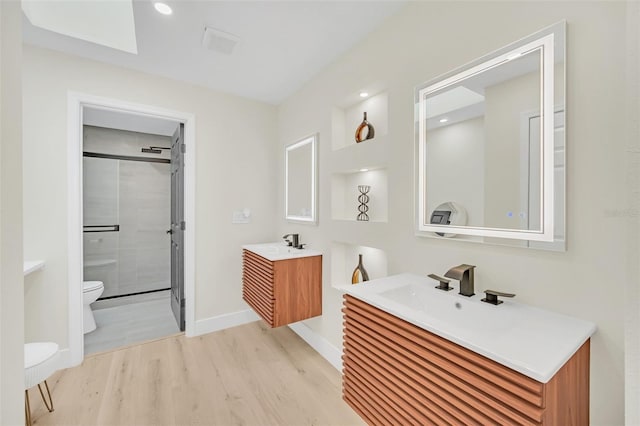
<point>279,251</point>
<point>30,266</point>
<point>532,341</point>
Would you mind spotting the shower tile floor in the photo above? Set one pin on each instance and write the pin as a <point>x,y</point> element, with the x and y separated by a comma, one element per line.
<point>130,323</point>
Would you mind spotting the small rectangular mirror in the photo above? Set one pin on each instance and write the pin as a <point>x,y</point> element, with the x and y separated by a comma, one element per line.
<point>490,145</point>
<point>301,169</point>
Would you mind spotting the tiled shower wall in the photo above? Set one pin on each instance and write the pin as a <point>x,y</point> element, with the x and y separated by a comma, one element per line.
<point>135,195</point>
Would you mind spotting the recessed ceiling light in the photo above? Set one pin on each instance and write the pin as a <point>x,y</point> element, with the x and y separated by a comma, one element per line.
<point>444,120</point>
<point>363,94</point>
<point>364,170</point>
<point>163,8</point>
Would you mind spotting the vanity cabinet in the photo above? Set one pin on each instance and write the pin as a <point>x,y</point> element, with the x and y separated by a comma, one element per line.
<point>282,291</point>
<point>397,373</point>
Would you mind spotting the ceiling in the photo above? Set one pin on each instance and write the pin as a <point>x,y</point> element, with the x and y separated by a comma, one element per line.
<point>282,44</point>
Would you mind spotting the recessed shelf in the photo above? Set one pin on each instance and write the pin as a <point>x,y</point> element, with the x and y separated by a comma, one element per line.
<point>359,233</point>
<point>344,195</point>
<point>344,259</point>
<point>345,121</point>
<point>371,154</point>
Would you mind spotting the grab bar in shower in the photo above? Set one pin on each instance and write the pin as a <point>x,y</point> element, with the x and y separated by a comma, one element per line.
<point>101,228</point>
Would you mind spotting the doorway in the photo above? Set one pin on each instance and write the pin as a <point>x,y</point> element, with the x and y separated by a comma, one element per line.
<point>127,203</point>
<point>181,229</point>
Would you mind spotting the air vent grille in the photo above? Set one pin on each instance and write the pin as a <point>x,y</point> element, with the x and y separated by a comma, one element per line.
<point>219,41</point>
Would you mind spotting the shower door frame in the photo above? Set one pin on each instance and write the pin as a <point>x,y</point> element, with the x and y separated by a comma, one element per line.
<point>76,102</point>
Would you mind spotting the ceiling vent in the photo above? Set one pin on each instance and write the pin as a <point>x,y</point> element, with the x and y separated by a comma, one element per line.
<point>219,41</point>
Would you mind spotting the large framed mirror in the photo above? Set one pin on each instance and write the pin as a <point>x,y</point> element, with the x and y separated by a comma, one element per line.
<point>301,180</point>
<point>490,146</point>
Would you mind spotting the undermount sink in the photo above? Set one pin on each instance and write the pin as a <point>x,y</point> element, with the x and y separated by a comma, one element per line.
<point>279,251</point>
<point>530,340</point>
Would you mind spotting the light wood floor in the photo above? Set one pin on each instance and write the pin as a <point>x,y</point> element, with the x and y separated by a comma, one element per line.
<point>247,375</point>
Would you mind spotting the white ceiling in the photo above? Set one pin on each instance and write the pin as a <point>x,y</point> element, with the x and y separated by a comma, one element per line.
<point>283,44</point>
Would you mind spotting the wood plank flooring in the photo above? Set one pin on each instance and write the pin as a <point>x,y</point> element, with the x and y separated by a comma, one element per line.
<point>246,375</point>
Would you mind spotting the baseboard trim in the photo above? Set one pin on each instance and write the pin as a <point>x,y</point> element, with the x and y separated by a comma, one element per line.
<point>319,343</point>
<point>220,322</point>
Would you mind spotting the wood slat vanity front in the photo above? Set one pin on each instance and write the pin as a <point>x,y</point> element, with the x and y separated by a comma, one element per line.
<point>282,291</point>
<point>396,373</point>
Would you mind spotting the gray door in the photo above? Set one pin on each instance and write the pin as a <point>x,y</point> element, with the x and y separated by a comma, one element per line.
<point>177,225</point>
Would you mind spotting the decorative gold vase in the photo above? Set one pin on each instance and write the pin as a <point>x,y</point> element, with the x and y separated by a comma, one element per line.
<point>359,272</point>
<point>365,130</point>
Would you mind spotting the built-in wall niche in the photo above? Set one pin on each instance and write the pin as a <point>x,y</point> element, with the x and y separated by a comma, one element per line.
<point>345,120</point>
<point>344,259</point>
<point>344,194</point>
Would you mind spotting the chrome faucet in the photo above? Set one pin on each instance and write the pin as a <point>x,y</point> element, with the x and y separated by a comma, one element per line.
<point>463,273</point>
<point>294,240</point>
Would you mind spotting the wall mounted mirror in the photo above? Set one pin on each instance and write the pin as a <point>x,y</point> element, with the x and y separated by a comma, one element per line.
<point>301,183</point>
<point>490,138</point>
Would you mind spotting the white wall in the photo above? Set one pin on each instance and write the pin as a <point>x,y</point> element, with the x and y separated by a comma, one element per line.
<point>505,102</point>
<point>235,140</point>
<point>11,276</point>
<point>429,38</point>
<point>456,154</point>
<point>632,292</point>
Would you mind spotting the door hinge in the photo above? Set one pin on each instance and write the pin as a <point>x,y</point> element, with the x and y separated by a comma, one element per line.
<point>183,225</point>
<point>182,303</point>
<point>183,148</point>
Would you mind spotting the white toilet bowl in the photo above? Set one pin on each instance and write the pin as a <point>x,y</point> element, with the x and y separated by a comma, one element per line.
<point>91,291</point>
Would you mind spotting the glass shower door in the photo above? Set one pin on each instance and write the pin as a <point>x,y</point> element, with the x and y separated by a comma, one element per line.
<point>101,222</point>
<point>126,216</point>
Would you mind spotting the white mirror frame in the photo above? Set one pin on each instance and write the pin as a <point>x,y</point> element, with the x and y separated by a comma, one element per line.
<point>313,219</point>
<point>543,40</point>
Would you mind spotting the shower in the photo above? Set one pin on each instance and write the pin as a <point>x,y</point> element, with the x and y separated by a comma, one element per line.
<point>126,212</point>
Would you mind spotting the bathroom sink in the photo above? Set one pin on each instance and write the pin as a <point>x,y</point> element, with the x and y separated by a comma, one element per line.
<point>450,308</point>
<point>530,340</point>
<point>279,251</point>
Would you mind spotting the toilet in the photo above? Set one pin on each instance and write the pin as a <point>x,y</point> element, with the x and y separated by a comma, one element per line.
<point>90,293</point>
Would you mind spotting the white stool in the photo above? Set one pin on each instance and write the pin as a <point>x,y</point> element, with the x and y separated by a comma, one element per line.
<point>40,362</point>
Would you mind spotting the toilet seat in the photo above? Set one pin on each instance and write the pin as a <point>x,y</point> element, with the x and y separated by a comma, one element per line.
<point>92,285</point>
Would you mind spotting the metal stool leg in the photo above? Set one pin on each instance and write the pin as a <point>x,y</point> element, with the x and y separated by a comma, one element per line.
<point>27,408</point>
<point>49,404</point>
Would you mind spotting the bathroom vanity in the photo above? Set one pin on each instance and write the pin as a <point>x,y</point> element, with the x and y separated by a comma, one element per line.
<point>417,355</point>
<point>282,284</point>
